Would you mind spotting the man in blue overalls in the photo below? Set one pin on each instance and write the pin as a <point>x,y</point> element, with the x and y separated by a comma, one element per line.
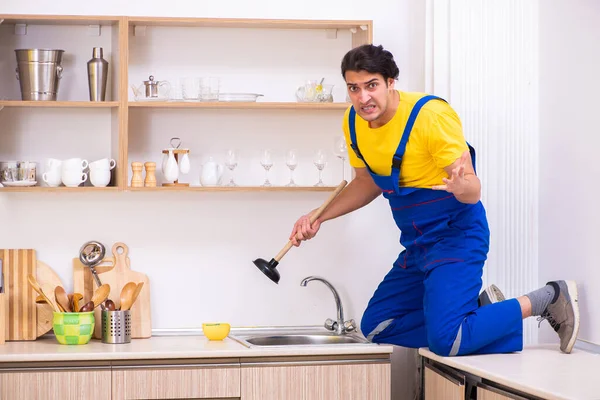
<point>410,148</point>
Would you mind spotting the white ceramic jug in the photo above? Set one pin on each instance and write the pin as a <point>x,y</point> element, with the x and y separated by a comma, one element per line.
<point>171,169</point>
<point>211,173</point>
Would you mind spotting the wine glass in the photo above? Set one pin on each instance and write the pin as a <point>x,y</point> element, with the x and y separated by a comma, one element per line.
<point>291,160</point>
<point>320,161</point>
<point>340,149</point>
<point>267,162</point>
<point>231,161</point>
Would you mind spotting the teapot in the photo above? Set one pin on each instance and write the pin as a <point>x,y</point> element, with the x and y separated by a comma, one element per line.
<point>151,89</point>
<point>211,173</point>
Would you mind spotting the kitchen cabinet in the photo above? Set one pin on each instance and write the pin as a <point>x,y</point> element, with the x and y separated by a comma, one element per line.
<point>127,130</point>
<point>210,379</point>
<point>343,379</point>
<point>442,383</point>
<point>56,381</point>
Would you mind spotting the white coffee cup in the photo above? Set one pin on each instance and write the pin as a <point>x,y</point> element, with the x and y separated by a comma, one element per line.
<point>73,178</point>
<point>99,177</point>
<point>74,163</point>
<point>104,163</point>
<point>52,177</point>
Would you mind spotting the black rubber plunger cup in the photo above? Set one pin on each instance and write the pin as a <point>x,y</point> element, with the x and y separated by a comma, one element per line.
<point>269,268</point>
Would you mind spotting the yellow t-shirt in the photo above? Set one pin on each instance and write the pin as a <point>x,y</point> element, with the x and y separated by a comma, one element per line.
<point>435,142</point>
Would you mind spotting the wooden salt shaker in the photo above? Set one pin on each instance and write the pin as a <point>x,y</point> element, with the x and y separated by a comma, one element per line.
<point>136,179</point>
<point>150,180</point>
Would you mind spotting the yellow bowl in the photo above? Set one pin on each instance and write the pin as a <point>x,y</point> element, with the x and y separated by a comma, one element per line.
<point>73,327</point>
<point>216,330</point>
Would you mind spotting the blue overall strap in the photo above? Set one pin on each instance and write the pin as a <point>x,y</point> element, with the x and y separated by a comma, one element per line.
<point>397,159</point>
<point>353,141</point>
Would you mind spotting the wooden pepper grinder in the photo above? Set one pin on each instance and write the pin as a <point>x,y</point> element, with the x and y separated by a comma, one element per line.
<point>150,180</point>
<point>136,179</point>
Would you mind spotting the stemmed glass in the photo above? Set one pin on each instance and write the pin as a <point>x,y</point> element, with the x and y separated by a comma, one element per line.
<point>267,162</point>
<point>291,160</point>
<point>320,161</point>
<point>231,161</point>
<point>340,149</point>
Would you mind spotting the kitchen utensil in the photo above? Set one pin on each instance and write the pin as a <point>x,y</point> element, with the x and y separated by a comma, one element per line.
<point>39,72</point>
<point>17,264</point>
<point>100,295</point>
<point>152,90</point>
<point>62,299</point>
<point>35,285</point>
<point>136,293</point>
<point>211,174</point>
<point>91,254</point>
<point>117,278</point>
<point>172,165</point>
<point>269,268</point>
<point>116,326</point>
<point>150,180</point>
<point>110,305</point>
<point>87,307</point>
<point>127,295</point>
<point>48,281</point>
<point>136,178</point>
<point>73,328</point>
<point>97,69</point>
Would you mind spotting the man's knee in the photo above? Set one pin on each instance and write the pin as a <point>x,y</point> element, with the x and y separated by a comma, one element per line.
<point>444,344</point>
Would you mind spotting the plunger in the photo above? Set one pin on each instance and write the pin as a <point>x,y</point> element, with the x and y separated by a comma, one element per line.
<point>269,268</point>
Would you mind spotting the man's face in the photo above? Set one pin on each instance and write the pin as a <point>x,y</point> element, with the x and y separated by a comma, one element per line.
<point>369,93</point>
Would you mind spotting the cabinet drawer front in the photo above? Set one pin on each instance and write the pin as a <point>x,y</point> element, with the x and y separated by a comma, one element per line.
<point>51,385</point>
<point>317,382</point>
<point>440,384</point>
<point>176,383</point>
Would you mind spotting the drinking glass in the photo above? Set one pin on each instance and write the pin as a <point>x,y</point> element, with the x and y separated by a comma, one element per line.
<point>291,160</point>
<point>267,162</point>
<point>231,161</point>
<point>320,161</point>
<point>340,149</point>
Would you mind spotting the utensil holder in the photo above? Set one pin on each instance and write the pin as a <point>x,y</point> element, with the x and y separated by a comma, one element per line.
<point>116,326</point>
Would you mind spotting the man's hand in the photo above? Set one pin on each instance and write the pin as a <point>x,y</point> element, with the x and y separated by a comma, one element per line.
<point>457,183</point>
<point>303,230</point>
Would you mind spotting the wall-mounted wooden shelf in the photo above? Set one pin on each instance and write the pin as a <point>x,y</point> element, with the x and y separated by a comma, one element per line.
<point>128,46</point>
<point>240,105</point>
<point>59,104</point>
<point>232,189</point>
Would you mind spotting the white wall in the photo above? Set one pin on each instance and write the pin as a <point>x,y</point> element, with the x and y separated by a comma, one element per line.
<point>569,168</point>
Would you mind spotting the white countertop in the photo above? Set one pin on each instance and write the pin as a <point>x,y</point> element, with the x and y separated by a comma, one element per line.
<point>166,347</point>
<point>538,370</point>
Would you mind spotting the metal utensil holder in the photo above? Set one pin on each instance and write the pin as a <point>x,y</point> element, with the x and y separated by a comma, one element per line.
<point>116,326</point>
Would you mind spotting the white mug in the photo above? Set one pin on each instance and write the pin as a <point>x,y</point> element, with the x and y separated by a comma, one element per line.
<point>72,178</point>
<point>105,163</point>
<point>99,177</point>
<point>53,163</point>
<point>52,177</point>
<point>75,163</point>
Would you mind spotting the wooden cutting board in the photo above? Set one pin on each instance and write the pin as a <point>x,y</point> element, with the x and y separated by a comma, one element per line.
<point>22,315</point>
<point>48,280</point>
<point>121,274</point>
<point>84,283</point>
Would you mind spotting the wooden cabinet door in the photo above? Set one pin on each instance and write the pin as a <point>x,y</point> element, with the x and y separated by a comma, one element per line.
<point>491,392</point>
<point>176,381</point>
<point>64,383</point>
<point>443,384</point>
<point>346,381</point>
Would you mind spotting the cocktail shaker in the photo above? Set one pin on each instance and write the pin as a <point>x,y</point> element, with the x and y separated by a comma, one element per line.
<point>97,75</point>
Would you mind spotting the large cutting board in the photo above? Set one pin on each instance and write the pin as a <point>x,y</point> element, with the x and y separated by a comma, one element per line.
<point>119,276</point>
<point>22,315</point>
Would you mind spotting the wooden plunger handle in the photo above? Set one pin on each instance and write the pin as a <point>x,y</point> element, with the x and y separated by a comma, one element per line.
<point>313,217</point>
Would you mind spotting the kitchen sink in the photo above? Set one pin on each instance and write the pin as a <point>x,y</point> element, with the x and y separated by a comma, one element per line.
<point>300,336</point>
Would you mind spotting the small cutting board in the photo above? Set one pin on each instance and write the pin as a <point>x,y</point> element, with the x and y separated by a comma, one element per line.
<point>21,314</point>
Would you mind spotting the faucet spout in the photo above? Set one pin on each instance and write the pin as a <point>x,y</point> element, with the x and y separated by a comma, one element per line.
<point>339,328</point>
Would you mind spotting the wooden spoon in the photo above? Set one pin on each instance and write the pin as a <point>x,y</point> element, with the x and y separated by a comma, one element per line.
<point>136,293</point>
<point>77,297</point>
<point>35,285</point>
<point>127,295</point>
<point>62,299</point>
<point>101,294</point>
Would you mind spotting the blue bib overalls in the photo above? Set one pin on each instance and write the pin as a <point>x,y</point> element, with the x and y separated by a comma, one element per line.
<point>429,297</point>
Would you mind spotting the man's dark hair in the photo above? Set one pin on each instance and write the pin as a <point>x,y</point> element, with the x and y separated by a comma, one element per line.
<point>370,58</point>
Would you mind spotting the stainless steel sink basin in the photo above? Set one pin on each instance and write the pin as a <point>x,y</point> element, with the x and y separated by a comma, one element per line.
<point>300,336</point>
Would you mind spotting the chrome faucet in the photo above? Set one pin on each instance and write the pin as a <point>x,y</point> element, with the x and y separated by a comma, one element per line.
<point>340,326</point>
